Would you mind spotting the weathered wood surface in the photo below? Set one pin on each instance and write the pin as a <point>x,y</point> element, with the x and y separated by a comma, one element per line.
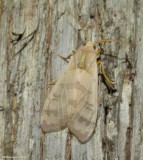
<point>62,27</point>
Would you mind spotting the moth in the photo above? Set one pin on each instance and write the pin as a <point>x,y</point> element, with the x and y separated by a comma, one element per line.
<point>73,101</point>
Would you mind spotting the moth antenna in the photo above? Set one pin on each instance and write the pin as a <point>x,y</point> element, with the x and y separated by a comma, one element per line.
<point>103,41</point>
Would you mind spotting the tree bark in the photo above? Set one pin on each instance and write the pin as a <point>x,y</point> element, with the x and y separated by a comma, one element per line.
<point>32,34</point>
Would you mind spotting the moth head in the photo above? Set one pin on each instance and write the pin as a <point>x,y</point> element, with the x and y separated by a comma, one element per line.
<point>90,44</point>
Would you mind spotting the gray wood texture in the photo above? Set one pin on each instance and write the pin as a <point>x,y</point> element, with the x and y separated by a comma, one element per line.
<point>27,67</point>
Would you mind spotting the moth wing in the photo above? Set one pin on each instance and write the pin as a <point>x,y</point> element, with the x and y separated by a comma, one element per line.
<point>54,113</point>
<point>82,123</point>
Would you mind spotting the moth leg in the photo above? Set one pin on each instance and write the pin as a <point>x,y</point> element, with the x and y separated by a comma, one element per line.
<point>99,62</point>
<point>53,82</point>
<point>106,79</point>
<point>67,57</point>
<point>110,88</point>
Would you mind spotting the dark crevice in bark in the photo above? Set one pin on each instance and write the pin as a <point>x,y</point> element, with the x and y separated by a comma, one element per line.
<point>68,146</point>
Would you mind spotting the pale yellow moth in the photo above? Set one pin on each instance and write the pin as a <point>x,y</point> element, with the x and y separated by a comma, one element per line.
<point>73,101</point>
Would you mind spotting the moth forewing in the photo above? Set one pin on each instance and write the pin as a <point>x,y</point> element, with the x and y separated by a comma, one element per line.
<point>83,122</point>
<point>54,113</point>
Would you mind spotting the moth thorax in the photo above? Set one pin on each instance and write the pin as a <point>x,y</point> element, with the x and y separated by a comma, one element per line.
<point>89,44</point>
